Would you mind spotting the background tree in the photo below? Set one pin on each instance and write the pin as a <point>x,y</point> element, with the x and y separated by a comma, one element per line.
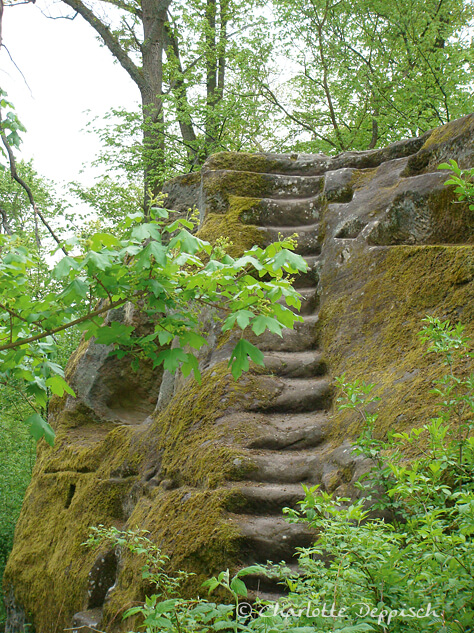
<point>370,72</point>
<point>191,62</point>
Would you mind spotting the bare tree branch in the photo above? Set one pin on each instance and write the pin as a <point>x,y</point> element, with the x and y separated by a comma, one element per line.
<point>110,41</point>
<point>268,93</point>
<point>29,193</point>
<point>17,67</point>
<point>58,17</point>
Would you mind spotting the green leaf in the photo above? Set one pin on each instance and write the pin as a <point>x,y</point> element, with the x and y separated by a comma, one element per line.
<point>262,323</point>
<point>58,386</point>
<point>251,569</point>
<point>63,267</point>
<point>97,261</point>
<point>155,250</point>
<point>98,240</point>
<point>39,428</point>
<point>115,333</point>
<point>146,231</point>
<point>77,289</point>
<point>238,587</point>
<point>159,212</point>
<point>171,359</point>
<point>165,606</point>
<point>191,365</point>
<point>177,224</point>
<point>223,625</point>
<point>165,337</point>
<point>211,584</point>
<point>242,318</point>
<point>194,340</point>
<point>239,360</point>
<point>286,259</point>
<point>358,628</point>
<point>189,243</point>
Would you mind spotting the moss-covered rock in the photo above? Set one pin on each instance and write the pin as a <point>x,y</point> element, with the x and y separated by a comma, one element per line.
<point>241,236</point>
<point>395,247</point>
<point>370,319</point>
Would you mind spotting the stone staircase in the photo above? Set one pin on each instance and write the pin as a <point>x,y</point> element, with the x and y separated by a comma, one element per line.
<point>287,451</point>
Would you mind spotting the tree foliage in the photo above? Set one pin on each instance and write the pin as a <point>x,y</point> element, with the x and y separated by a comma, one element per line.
<point>370,72</point>
<point>158,267</point>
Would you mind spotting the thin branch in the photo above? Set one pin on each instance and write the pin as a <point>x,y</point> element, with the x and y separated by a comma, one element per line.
<point>65,326</point>
<point>58,17</point>
<point>292,117</point>
<point>121,4</point>
<point>110,41</point>
<point>18,68</point>
<point>12,313</point>
<point>17,4</point>
<point>27,188</point>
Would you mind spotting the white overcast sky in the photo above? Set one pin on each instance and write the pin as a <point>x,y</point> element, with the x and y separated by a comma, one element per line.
<point>68,72</point>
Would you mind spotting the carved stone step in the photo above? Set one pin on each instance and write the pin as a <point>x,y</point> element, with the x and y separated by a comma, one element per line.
<point>299,395</point>
<point>266,498</point>
<point>286,467</point>
<point>218,185</point>
<point>269,212</point>
<point>309,301</point>
<point>290,432</point>
<point>311,276</point>
<point>264,584</point>
<point>295,364</point>
<point>307,237</point>
<point>277,431</point>
<point>271,538</point>
<point>302,338</point>
<point>292,187</point>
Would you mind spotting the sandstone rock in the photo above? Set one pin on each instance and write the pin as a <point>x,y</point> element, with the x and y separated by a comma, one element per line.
<point>208,471</point>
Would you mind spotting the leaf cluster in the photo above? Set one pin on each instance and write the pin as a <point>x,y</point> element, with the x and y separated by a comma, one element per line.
<point>157,267</point>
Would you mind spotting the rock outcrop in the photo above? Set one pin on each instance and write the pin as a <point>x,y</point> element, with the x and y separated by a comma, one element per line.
<point>208,471</point>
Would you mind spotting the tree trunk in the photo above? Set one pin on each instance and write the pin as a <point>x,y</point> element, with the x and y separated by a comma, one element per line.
<point>154,18</point>
<point>178,86</point>
<point>211,74</point>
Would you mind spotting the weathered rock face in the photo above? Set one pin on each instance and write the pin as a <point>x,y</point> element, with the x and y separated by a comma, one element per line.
<point>208,470</point>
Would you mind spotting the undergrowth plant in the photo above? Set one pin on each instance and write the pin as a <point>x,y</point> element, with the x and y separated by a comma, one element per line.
<point>463,181</point>
<point>414,573</point>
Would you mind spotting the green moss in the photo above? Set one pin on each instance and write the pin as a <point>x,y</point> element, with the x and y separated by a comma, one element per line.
<point>218,186</point>
<point>362,177</point>
<point>370,320</point>
<point>74,486</point>
<point>80,483</point>
<point>448,132</point>
<point>51,576</point>
<point>453,220</point>
<point>241,161</point>
<point>190,521</point>
<point>242,236</point>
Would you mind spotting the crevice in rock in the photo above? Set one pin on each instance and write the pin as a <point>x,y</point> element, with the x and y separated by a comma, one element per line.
<point>70,495</point>
<point>102,578</point>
